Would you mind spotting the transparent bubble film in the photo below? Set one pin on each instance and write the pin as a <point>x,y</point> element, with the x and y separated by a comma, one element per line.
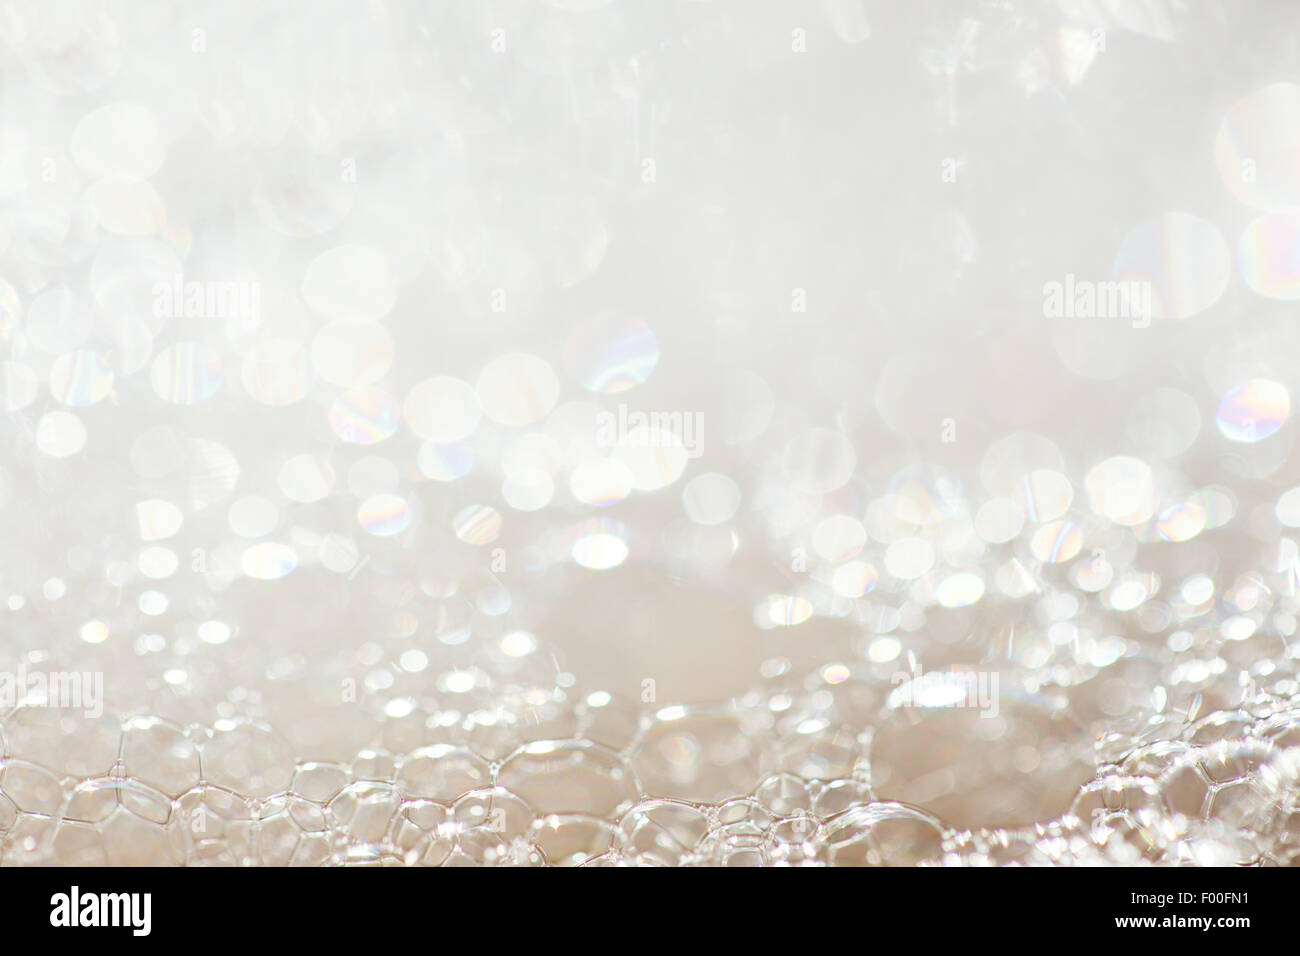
<point>650,433</point>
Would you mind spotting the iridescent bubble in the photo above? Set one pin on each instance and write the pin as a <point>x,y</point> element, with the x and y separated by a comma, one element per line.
<point>1269,252</point>
<point>711,498</point>
<point>1056,542</point>
<point>788,610</point>
<point>445,462</point>
<point>1217,504</point>
<point>186,373</point>
<point>385,515</point>
<point>157,519</point>
<point>60,434</point>
<point>442,409</point>
<point>477,524</point>
<point>350,283</point>
<point>80,378</point>
<point>960,590</point>
<point>1185,259</point>
<point>517,389</point>
<point>1253,410</point>
<point>854,579</point>
<point>1257,148</point>
<point>612,355</point>
<point>269,561</point>
<point>305,478</point>
<point>1181,522</point>
<point>600,551</point>
<point>601,481</point>
<point>1044,495</point>
<point>365,416</point>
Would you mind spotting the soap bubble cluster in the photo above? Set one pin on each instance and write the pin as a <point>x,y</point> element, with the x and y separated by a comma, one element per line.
<point>592,433</point>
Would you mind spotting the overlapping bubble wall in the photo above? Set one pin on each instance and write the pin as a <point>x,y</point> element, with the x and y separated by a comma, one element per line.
<point>649,433</point>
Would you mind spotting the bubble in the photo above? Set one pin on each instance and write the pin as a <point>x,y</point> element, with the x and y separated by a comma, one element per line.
<point>909,558</point>
<point>253,516</point>
<point>269,561</point>
<point>477,524</point>
<point>788,610</point>
<point>854,579</point>
<point>186,373</point>
<point>601,481</point>
<point>305,478</point>
<point>352,354</point>
<point>1185,259</point>
<point>213,472</point>
<point>385,515</point>
<point>158,563</point>
<point>1257,149</point>
<point>960,590</point>
<point>1044,495</point>
<point>1269,252</point>
<point>1253,411</point>
<point>612,355</point>
<point>602,549</point>
<point>1181,522</point>
<point>442,409</point>
<point>528,489</point>
<point>1122,489</point>
<point>60,434</point>
<point>711,498</point>
<point>1057,542</point>
<point>517,389</point>
<point>350,283</point>
<point>157,519</point>
<point>445,462</point>
<point>654,457</point>
<point>80,378</point>
<point>1288,508</point>
<point>364,416</point>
